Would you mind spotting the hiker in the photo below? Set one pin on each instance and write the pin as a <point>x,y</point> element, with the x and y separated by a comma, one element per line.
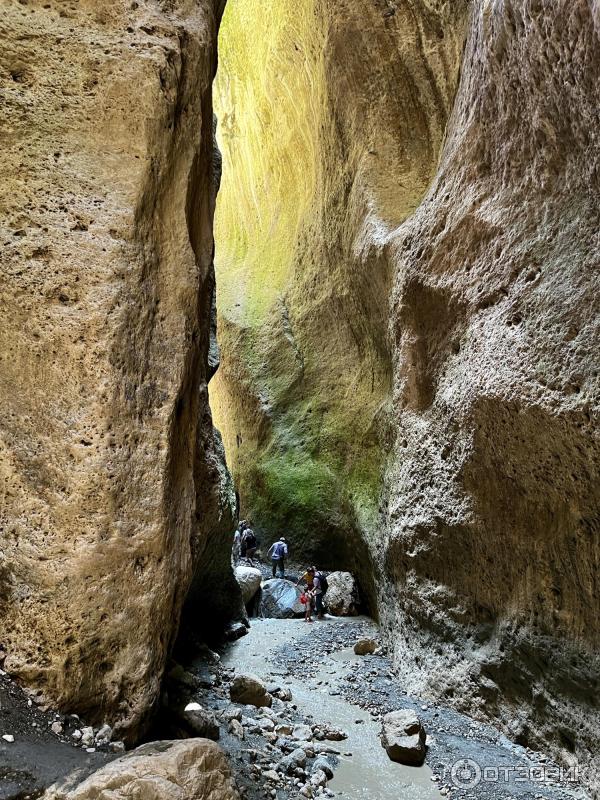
<point>249,543</point>
<point>243,525</point>
<point>307,578</point>
<point>307,598</point>
<point>320,588</point>
<point>309,593</point>
<point>236,547</point>
<point>278,553</point>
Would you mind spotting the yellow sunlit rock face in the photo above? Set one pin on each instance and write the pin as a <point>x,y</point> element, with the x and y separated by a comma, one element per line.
<point>111,487</point>
<point>326,150</point>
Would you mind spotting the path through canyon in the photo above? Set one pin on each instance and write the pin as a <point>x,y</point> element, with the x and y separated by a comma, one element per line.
<point>332,687</point>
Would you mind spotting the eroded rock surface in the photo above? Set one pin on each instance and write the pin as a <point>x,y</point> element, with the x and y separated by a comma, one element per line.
<point>194,769</point>
<point>320,165</point>
<point>342,598</point>
<point>403,737</point>
<point>113,488</point>
<point>491,549</point>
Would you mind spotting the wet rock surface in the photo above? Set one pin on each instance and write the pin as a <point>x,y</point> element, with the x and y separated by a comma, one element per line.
<point>280,599</point>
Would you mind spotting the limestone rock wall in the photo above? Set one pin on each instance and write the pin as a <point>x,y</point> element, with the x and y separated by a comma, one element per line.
<point>492,543</point>
<point>364,188</point>
<point>112,495</point>
<point>331,118</point>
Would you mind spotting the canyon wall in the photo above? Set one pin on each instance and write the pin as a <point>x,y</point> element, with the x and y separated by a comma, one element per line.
<point>114,498</point>
<point>331,118</point>
<point>478,404</point>
<point>491,549</point>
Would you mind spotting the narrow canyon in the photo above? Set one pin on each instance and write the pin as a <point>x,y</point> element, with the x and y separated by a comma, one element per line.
<point>330,267</point>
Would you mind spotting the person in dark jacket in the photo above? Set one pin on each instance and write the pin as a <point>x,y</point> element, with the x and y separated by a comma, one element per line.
<point>319,589</point>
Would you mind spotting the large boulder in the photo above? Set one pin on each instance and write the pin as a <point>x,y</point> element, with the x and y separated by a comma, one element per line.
<point>192,769</point>
<point>342,596</point>
<point>403,737</point>
<point>280,599</point>
<point>250,691</point>
<point>249,579</point>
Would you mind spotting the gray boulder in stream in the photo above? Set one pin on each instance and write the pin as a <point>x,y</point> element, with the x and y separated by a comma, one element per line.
<point>403,737</point>
<point>280,599</point>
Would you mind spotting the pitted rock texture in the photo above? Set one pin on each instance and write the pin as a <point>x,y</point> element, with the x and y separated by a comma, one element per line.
<point>491,550</point>
<point>112,486</point>
<point>194,769</point>
<point>319,166</point>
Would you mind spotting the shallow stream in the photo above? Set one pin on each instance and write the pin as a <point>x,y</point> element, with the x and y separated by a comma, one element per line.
<point>368,772</point>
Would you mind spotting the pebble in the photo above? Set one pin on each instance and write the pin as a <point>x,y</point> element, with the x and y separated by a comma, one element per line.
<point>8,737</point>
<point>87,736</point>
<point>56,728</point>
<point>236,728</point>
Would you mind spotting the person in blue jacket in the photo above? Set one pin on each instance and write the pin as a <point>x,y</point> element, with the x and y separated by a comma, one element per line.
<point>278,553</point>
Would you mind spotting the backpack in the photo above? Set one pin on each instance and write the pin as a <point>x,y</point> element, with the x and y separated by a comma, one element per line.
<point>249,538</point>
<point>280,550</point>
<point>322,581</point>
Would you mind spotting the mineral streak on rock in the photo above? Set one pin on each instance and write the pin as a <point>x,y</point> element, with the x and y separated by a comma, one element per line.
<point>111,485</point>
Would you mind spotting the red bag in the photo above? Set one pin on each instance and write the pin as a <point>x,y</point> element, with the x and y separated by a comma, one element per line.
<point>303,599</point>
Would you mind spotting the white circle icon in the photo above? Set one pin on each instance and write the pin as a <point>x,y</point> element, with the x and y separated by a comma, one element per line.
<point>465,773</point>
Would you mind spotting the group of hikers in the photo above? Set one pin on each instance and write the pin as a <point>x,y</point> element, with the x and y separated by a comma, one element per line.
<point>244,542</point>
<point>315,582</point>
<point>314,593</point>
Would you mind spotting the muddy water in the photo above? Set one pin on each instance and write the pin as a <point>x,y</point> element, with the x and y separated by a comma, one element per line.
<point>367,773</point>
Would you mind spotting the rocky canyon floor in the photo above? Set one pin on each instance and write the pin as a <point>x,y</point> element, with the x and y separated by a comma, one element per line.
<point>331,723</point>
<point>334,688</point>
